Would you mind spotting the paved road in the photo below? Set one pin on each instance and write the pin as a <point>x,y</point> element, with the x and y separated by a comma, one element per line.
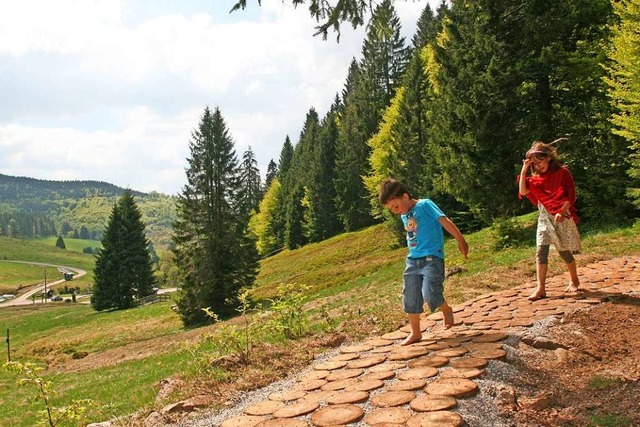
<point>25,298</point>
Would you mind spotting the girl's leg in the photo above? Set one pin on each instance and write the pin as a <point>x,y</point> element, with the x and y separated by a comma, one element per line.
<point>542,260</point>
<point>568,258</point>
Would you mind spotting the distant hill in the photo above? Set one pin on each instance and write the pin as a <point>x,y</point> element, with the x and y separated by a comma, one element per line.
<point>83,203</point>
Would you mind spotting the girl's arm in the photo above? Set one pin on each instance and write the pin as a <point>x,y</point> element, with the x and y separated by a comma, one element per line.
<point>526,163</point>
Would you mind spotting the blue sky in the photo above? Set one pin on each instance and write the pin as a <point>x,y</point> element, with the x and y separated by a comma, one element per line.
<point>110,90</point>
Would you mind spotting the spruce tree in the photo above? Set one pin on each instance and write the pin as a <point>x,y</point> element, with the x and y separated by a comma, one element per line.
<point>123,271</point>
<point>59,242</point>
<point>272,173</point>
<point>250,184</point>
<point>214,253</point>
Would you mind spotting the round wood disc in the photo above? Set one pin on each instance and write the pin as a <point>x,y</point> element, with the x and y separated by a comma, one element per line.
<point>381,375</point>
<point>490,337</point>
<point>418,373</point>
<point>378,342</point>
<point>494,354</point>
<point>388,366</point>
<point>267,407</point>
<point>525,322</point>
<point>462,373</point>
<point>468,363</point>
<point>434,361</point>
<point>287,396</point>
<point>355,349</point>
<point>407,385</point>
<point>311,385</point>
<point>296,409</point>
<point>430,402</point>
<point>330,366</point>
<point>339,384</point>
<point>314,375</point>
<point>436,419</point>
<point>318,396</point>
<point>442,345</point>
<point>366,362</point>
<point>345,357</point>
<point>242,421</point>
<point>396,335</point>
<point>397,416</point>
<point>283,422</point>
<point>392,398</point>
<point>456,387</point>
<point>452,352</point>
<point>410,353</point>
<point>343,374</point>
<point>483,346</point>
<point>348,397</point>
<point>381,350</point>
<point>333,415</point>
<point>365,385</point>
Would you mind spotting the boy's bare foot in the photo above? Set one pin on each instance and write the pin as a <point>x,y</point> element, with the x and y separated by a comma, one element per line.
<point>536,295</point>
<point>572,287</point>
<point>411,339</point>
<point>447,315</point>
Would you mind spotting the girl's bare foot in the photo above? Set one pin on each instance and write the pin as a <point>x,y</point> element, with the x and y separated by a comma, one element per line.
<point>572,287</point>
<point>411,339</point>
<point>537,294</point>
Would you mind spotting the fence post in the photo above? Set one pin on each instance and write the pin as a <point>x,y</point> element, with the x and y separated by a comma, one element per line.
<point>8,347</point>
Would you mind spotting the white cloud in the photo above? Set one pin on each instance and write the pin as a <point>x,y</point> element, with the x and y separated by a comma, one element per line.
<point>96,90</point>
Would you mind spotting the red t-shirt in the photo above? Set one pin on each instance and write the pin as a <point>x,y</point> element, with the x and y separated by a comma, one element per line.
<point>553,189</point>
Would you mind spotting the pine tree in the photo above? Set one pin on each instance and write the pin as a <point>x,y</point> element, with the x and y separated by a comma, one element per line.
<point>250,184</point>
<point>214,253</point>
<point>123,271</point>
<point>272,173</point>
<point>59,243</point>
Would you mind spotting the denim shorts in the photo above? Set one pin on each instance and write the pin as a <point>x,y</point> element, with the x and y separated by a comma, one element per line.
<point>423,281</point>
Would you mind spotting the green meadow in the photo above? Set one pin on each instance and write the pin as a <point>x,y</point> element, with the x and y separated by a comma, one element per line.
<point>118,358</point>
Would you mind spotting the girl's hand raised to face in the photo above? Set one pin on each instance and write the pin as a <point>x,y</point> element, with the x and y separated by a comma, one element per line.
<point>526,163</point>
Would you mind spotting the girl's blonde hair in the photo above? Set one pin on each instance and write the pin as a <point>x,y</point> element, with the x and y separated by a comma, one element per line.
<point>543,150</point>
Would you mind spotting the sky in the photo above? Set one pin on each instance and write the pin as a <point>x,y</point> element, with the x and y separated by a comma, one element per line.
<point>110,90</point>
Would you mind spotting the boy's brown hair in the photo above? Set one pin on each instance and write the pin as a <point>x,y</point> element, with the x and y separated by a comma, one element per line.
<point>391,189</point>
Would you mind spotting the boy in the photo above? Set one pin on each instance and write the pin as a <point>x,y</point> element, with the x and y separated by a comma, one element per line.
<point>424,271</point>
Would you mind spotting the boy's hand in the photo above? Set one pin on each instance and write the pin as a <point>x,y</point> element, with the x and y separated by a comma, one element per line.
<point>463,247</point>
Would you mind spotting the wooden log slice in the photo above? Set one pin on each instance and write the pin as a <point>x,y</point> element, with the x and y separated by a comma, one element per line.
<point>287,396</point>
<point>407,385</point>
<point>388,366</point>
<point>243,421</point>
<point>314,375</point>
<point>381,350</point>
<point>483,346</point>
<point>348,397</point>
<point>436,419</point>
<point>381,375</point>
<point>462,373</point>
<point>495,354</point>
<point>334,415</point>
<point>343,374</point>
<point>431,402</point>
<point>483,326</point>
<point>330,366</point>
<point>297,409</point>
<point>468,363</point>
<point>456,387</point>
<point>378,342</point>
<point>319,396</point>
<point>377,417</point>
<point>311,385</point>
<point>355,349</point>
<point>418,373</point>
<point>284,422</point>
<point>365,385</point>
<point>452,352</point>
<point>345,357</point>
<point>366,362</point>
<point>266,407</point>
<point>490,337</point>
<point>516,322</point>
<point>434,361</point>
<point>396,335</point>
<point>392,398</point>
<point>339,384</point>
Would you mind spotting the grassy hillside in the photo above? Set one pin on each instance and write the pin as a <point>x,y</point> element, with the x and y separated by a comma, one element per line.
<point>118,358</point>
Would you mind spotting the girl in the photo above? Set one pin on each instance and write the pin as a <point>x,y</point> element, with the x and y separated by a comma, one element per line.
<point>551,188</point>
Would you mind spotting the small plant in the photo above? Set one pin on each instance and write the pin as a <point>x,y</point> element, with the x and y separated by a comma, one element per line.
<point>609,420</point>
<point>598,382</point>
<point>29,373</point>
<point>509,233</point>
<point>288,315</point>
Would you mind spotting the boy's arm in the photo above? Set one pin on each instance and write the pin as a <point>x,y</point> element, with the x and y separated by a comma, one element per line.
<point>451,228</point>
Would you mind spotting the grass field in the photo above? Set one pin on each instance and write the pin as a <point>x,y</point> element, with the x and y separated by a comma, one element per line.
<point>127,352</point>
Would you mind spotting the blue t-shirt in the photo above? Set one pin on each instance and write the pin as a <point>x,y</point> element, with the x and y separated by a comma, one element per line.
<point>424,232</point>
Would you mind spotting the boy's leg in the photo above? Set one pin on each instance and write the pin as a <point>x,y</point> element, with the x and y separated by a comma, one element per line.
<point>416,333</point>
<point>433,289</point>
<point>447,314</point>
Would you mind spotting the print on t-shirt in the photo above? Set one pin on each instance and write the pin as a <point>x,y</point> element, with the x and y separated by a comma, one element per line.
<point>412,228</point>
